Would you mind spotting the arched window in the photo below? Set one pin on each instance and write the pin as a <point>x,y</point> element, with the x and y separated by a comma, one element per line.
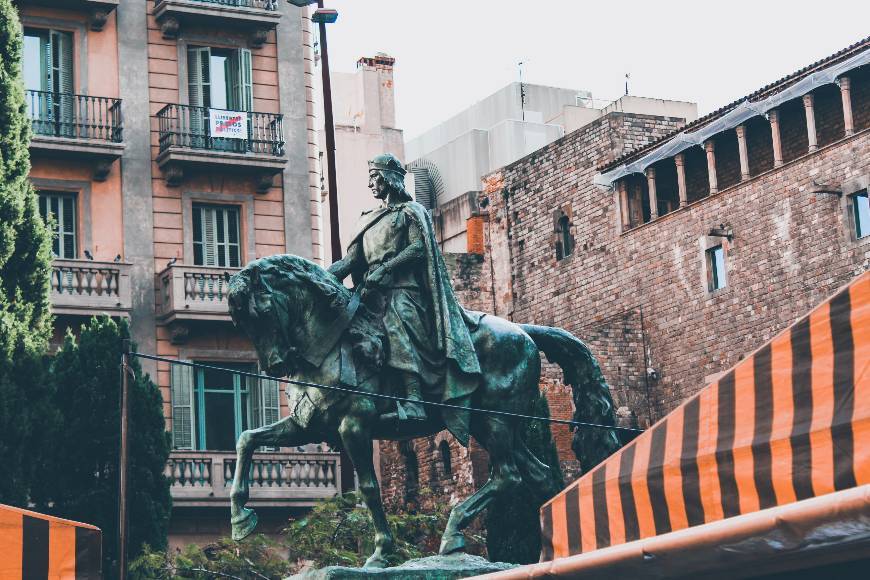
<point>412,470</point>
<point>444,450</point>
<point>564,239</point>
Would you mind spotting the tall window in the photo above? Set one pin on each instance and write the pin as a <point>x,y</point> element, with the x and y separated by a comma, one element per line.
<point>48,78</point>
<point>216,236</point>
<point>219,78</point>
<point>861,213</point>
<point>716,268</point>
<point>564,239</point>
<point>210,409</point>
<point>60,208</point>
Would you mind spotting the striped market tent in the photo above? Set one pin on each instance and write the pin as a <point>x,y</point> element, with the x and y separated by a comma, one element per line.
<point>788,423</point>
<point>35,546</point>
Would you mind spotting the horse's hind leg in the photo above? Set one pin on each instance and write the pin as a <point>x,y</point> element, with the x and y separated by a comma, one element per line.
<point>283,433</point>
<point>497,438</point>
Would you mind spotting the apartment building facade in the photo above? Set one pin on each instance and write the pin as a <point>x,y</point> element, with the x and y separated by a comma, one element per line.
<point>174,141</point>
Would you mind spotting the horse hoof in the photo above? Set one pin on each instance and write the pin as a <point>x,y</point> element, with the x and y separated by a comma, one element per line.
<point>451,544</point>
<point>375,561</point>
<point>244,524</point>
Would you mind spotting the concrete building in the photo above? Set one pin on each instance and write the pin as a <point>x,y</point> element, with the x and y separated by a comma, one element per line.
<point>698,243</point>
<point>173,141</point>
<point>449,160</point>
<point>365,126</point>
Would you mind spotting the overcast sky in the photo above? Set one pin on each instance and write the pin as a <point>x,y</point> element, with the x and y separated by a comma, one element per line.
<point>451,53</point>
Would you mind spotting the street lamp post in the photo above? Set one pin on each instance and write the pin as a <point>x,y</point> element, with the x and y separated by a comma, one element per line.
<point>323,16</point>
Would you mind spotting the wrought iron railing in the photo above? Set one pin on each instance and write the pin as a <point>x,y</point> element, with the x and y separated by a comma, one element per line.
<point>89,285</point>
<point>190,127</point>
<point>208,475</point>
<point>259,4</point>
<point>75,116</point>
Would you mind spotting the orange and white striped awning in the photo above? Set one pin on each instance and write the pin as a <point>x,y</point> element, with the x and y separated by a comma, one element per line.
<point>788,423</point>
<point>35,546</point>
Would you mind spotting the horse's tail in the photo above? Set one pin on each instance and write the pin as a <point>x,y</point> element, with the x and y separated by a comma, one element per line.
<point>592,401</point>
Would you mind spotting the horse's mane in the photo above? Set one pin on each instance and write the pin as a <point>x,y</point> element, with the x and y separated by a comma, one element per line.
<point>282,270</point>
<point>290,274</point>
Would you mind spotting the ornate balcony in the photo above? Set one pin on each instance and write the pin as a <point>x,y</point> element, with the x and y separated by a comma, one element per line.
<point>186,141</point>
<point>86,287</point>
<point>257,16</point>
<point>98,10</point>
<point>194,293</point>
<point>199,478</point>
<point>76,126</point>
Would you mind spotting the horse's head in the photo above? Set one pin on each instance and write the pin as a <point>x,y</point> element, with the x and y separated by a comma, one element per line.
<point>280,302</point>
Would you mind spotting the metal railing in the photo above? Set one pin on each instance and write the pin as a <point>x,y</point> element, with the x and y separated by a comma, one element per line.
<point>258,4</point>
<point>195,291</point>
<point>75,116</point>
<point>90,285</point>
<point>189,127</point>
<point>276,476</point>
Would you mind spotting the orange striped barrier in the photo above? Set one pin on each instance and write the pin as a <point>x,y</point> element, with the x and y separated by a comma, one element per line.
<point>35,546</point>
<point>788,423</point>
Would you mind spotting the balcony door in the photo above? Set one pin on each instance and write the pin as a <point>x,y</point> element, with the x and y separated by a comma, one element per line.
<point>210,409</point>
<point>48,80</point>
<point>216,236</point>
<point>60,209</point>
<point>217,79</point>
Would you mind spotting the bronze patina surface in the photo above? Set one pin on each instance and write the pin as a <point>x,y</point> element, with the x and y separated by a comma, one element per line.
<point>400,331</point>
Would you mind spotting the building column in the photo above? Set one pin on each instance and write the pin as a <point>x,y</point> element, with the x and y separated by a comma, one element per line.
<point>710,148</point>
<point>637,203</point>
<point>811,122</point>
<point>773,116</point>
<point>653,198</point>
<point>744,156</point>
<point>845,93</point>
<point>623,204</point>
<point>679,160</point>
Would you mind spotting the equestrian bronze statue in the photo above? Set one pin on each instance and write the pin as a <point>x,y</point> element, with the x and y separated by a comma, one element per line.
<point>400,331</point>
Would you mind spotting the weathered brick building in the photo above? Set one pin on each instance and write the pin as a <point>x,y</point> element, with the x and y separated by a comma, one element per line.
<point>691,252</point>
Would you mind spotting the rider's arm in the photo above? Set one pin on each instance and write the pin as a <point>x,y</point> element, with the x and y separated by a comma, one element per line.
<point>342,268</point>
<point>414,251</point>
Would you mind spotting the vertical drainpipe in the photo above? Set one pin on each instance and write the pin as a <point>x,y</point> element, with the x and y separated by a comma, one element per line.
<point>313,144</point>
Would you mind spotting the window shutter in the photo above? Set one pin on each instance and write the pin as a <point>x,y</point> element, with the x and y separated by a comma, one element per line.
<point>198,92</point>
<point>209,238</point>
<point>246,83</point>
<point>68,226</point>
<point>182,407</point>
<point>271,401</point>
<point>63,78</point>
<point>269,405</point>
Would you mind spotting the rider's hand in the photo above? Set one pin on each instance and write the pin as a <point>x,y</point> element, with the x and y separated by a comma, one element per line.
<point>376,278</point>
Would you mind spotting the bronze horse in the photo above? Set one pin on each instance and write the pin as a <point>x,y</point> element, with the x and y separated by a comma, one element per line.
<point>308,326</point>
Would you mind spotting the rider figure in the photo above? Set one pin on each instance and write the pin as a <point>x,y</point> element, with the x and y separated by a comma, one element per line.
<point>395,257</point>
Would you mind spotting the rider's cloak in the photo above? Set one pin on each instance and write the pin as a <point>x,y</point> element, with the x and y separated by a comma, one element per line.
<point>462,372</point>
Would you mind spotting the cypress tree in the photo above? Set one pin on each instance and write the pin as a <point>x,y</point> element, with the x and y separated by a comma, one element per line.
<point>25,263</point>
<point>85,471</point>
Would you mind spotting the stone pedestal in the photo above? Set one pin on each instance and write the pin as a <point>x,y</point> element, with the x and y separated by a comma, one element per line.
<point>432,568</point>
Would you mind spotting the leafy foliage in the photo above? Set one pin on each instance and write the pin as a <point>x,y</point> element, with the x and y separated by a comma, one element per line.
<point>25,262</point>
<point>256,558</point>
<point>512,523</point>
<point>85,468</point>
<point>337,532</point>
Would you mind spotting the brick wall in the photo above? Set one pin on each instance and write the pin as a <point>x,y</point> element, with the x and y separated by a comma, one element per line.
<point>791,249</point>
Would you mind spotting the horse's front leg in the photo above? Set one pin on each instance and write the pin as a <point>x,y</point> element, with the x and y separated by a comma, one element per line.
<point>283,433</point>
<point>356,437</point>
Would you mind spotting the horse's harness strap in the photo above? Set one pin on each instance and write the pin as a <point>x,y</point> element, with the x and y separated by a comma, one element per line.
<point>319,348</point>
